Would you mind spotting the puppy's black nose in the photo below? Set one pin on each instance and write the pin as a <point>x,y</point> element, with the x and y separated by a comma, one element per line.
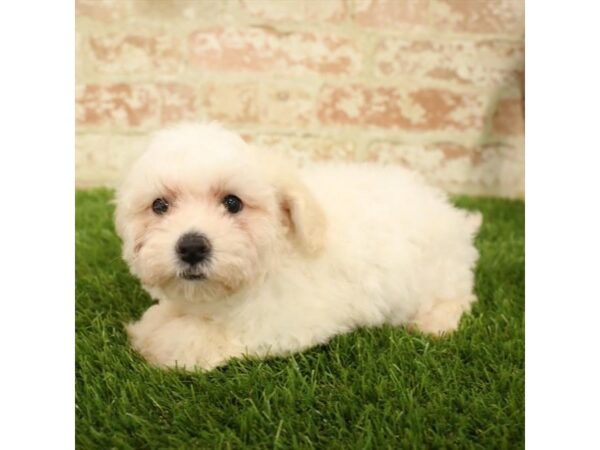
<point>193,248</point>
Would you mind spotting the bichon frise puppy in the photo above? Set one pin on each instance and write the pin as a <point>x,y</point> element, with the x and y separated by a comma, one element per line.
<point>248,256</point>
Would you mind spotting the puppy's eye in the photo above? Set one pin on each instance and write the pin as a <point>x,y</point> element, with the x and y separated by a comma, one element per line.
<point>233,204</point>
<point>160,206</point>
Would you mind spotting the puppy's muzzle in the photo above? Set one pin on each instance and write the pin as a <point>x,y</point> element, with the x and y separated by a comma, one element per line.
<point>193,248</point>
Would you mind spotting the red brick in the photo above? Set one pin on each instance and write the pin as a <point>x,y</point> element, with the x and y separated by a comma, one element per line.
<point>478,16</point>
<point>233,103</point>
<point>296,10</point>
<point>101,159</point>
<point>508,117</point>
<point>248,103</point>
<point>133,106</point>
<point>177,9</point>
<point>78,54</point>
<point>483,63</point>
<point>177,102</point>
<point>406,153</point>
<point>284,104</point>
<point>487,169</point>
<point>304,149</point>
<point>133,53</point>
<point>116,10</point>
<point>103,10</point>
<point>391,107</point>
<point>264,49</point>
<point>391,13</point>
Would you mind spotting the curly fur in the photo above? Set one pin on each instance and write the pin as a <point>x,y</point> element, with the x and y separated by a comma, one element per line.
<point>315,252</point>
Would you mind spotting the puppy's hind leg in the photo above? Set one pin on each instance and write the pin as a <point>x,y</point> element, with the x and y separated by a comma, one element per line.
<point>442,317</point>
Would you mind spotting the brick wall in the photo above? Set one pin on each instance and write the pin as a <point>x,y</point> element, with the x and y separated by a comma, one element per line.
<point>436,85</point>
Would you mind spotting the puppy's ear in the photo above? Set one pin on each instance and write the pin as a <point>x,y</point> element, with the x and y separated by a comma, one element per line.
<point>300,211</point>
<point>302,215</point>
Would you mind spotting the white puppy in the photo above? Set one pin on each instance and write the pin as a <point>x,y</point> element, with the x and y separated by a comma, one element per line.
<point>249,256</point>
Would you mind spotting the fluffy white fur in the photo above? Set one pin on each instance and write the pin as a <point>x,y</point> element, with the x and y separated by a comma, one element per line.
<point>315,252</point>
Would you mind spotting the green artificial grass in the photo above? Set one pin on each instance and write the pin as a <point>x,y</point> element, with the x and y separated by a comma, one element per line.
<point>374,388</point>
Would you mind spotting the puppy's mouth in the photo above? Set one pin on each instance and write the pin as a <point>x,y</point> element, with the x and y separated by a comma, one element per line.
<point>192,275</point>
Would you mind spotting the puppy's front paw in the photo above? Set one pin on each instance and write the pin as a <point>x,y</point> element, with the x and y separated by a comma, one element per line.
<point>184,342</point>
